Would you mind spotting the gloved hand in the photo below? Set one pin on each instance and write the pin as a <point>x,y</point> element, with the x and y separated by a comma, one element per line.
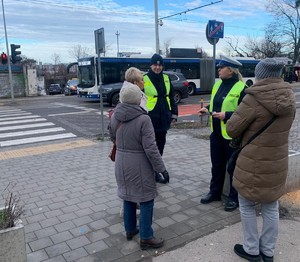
<point>165,174</point>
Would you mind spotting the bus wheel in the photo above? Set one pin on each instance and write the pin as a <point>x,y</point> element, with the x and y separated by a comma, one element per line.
<point>192,89</point>
<point>177,97</point>
<point>115,99</point>
<point>249,83</point>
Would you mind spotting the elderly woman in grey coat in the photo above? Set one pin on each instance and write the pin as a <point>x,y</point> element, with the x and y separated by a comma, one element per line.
<point>137,159</point>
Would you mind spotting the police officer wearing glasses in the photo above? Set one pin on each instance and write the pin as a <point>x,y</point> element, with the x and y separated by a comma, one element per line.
<point>161,105</point>
<point>226,95</point>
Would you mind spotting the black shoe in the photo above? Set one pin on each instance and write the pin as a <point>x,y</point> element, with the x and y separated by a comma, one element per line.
<point>159,178</point>
<point>151,243</point>
<point>239,250</point>
<point>266,258</point>
<point>130,235</point>
<point>209,198</point>
<point>231,206</point>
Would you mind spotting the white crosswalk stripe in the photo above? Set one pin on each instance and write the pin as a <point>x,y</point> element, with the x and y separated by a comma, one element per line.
<point>17,117</point>
<point>18,127</point>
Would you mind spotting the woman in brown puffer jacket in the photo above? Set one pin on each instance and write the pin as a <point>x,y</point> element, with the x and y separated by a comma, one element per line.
<point>262,166</point>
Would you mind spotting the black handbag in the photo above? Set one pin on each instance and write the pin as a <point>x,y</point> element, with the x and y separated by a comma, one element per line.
<point>234,156</point>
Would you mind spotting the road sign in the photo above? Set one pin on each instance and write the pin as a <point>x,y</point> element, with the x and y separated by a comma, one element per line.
<point>215,29</point>
<point>211,40</point>
<point>99,41</point>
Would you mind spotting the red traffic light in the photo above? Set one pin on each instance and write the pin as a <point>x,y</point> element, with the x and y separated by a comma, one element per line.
<point>3,58</point>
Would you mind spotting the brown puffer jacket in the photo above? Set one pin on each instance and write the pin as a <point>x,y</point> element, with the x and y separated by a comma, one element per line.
<point>262,166</point>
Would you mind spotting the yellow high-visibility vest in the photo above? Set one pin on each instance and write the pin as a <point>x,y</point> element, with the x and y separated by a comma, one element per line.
<point>151,92</point>
<point>229,104</point>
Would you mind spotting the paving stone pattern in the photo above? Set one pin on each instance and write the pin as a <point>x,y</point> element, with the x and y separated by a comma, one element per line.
<point>72,208</point>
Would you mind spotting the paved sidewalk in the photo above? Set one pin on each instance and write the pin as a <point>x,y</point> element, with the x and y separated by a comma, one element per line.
<point>72,209</point>
<point>218,246</point>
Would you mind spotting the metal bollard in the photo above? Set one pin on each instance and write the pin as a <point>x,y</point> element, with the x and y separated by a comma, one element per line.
<point>201,105</point>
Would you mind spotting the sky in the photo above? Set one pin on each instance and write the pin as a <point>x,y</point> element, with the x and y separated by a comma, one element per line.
<point>44,28</point>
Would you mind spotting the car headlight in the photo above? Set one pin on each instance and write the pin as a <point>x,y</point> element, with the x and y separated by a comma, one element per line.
<point>106,90</point>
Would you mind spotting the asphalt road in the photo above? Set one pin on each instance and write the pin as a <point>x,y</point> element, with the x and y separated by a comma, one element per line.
<point>84,118</point>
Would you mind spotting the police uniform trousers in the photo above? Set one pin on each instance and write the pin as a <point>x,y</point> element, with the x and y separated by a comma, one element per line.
<point>220,152</point>
<point>160,138</point>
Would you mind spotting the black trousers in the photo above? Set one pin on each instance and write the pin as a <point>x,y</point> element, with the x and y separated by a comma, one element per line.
<point>160,138</point>
<point>220,152</point>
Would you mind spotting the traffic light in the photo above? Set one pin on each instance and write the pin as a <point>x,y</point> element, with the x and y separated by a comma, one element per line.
<point>3,58</point>
<point>15,55</point>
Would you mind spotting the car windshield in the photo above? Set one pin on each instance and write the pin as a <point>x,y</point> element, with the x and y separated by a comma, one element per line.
<point>73,82</point>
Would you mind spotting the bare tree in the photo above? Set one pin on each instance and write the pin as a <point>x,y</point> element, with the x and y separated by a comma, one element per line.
<point>79,51</point>
<point>55,58</point>
<point>270,46</point>
<point>107,48</point>
<point>287,24</point>
<point>28,62</point>
<point>233,44</point>
<point>166,47</point>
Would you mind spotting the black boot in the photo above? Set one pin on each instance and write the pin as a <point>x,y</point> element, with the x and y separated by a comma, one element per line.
<point>130,235</point>
<point>209,198</point>
<point>231,206</point>
<point>239,250</point>
<point>266,258</point>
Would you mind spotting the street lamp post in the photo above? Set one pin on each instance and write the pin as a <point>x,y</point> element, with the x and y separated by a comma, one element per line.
<point>156,27</point>
<point>8,55</point>
<point>117,34</point>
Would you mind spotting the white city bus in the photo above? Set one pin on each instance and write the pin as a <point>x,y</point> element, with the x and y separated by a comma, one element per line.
<point>113,70</point>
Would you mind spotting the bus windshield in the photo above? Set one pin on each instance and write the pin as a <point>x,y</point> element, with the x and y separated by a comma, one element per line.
<point>86,76</point>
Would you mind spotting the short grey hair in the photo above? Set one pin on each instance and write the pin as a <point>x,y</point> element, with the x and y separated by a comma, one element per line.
<point>131,94</point>
<point>133,75</point>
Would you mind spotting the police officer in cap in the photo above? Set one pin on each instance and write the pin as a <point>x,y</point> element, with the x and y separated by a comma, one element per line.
<point>162,108</point>
<point>226,95</point>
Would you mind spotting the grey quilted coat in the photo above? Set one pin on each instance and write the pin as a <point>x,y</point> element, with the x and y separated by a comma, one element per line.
<point>262,166</point>
<point>137,155</point>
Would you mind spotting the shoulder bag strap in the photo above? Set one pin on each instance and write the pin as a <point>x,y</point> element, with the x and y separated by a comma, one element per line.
<point>260,131</point>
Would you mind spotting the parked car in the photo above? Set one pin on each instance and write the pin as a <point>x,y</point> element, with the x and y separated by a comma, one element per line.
<point>180,84</point>
<point>110,92</point>
<point>55,89</point>
<point>71,87</point>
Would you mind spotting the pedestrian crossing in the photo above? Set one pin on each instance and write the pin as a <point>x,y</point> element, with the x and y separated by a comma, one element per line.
<point>18,127</point>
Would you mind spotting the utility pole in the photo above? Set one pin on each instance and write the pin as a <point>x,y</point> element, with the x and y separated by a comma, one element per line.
<point>156,27</point>
<point>8,60</point>
<point>117,34</point>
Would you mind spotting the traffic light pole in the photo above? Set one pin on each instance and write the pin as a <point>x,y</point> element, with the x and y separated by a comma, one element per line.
<point>8,60</point>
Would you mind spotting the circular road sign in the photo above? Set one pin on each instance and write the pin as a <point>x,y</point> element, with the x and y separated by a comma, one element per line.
<point>210,40</point>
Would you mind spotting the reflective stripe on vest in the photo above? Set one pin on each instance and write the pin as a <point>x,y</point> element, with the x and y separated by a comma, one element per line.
<point>230,103</point>
<point>151,92</point>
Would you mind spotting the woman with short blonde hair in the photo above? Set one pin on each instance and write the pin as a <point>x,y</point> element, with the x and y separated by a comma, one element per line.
<point>134,76</point>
